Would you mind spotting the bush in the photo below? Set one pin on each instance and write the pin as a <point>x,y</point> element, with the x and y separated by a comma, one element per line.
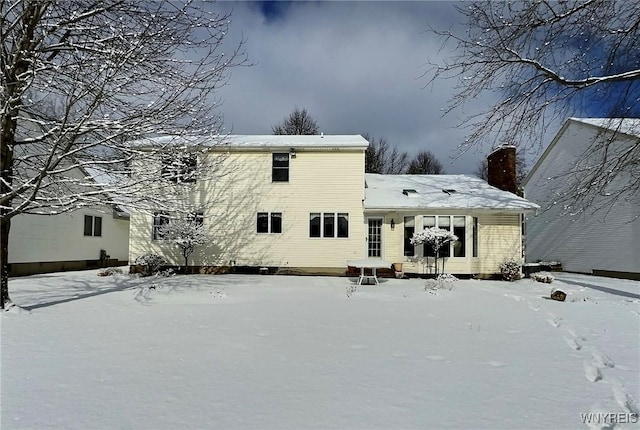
<point>511,270</point>
<point>442,281</point>
<point>109,271</point>
<point>150,264</point>
<point>544,277</point>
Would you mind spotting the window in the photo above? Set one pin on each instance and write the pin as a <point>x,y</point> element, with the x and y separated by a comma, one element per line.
<point>92,225</point>
<point>427,249</point>
<point>454,224</point>
<point>280,167</point>
<point>269,222</point>
<point>475,236</point>
<point>263,222</point>
<point>409,229</point>
<point>196,217</point>
<point>314,225</point>
<point>343,225</point>
<point>159,219</point>
<point>444,222</point>
<point>329,224</point>
<point>409,192</point>
<point>460,231</point>
<point>276,222</point>
<point>180,169</point>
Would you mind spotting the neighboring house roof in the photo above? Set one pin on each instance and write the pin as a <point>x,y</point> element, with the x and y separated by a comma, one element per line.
<point>266,141</point>
<point>628,126</point>
<point>408,192</point>
<point>108,180</point>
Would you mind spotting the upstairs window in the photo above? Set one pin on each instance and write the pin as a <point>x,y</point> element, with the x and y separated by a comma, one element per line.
<point>196,217</point>
<point>180,168</point>
<point>159,219</point>
<point>92,225</point>
<point>280,167</point>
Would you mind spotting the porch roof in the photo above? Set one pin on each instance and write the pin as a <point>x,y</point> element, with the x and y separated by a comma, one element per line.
<point>413,192</point>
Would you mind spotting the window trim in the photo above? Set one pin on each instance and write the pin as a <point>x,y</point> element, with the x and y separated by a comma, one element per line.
<point>197,216</point>
<point>270,225</point>
<point>451,250</point>
<point>475,241</point>
<point>334,219</point>
<point>281,168</point>
<point>407,246</point>
<point>186,174</point>
<point>95,226</point>
<point>156,224</point>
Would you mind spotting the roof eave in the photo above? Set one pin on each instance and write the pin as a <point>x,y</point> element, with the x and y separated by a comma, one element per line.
<point>466,208</point>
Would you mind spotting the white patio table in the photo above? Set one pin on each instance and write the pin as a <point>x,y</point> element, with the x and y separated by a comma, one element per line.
<point>369,263</point>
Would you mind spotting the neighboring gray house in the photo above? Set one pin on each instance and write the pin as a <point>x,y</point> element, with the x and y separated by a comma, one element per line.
<point>583,239</point>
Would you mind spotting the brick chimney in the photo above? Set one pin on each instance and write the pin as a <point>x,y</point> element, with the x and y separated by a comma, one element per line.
<point>501,169</point>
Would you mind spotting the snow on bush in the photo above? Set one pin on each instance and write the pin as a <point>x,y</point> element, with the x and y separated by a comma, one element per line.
<point>436,238</point>
<point>150,263</point>
<point>109,271</point>
<point>187,234</point>
<point>442,281</point>
<point>544,277</point>
<point>510,270</point>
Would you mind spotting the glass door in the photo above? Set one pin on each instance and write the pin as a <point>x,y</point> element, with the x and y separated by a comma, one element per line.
<point>374,238</point>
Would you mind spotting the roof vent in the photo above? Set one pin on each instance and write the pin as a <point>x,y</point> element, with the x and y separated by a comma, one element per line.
<point>409,192</point>
<point>449,191</point>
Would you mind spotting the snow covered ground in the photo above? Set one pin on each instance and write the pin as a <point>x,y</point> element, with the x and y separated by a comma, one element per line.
<point>276,352</point>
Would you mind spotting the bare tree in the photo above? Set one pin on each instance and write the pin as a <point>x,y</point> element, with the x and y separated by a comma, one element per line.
<point>547,61</point>
<point>80,80</point>
<point>298,122</point>
<point>381,157</point>
<point>425,163</point>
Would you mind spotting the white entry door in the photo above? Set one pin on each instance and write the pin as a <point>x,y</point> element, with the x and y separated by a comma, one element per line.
<point>374,238</point>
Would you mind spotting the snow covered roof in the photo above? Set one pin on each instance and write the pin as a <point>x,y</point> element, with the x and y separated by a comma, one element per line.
<point>439,192</point>
<point>262,141</point>
<point>108,180</point>
<point>629,126</point>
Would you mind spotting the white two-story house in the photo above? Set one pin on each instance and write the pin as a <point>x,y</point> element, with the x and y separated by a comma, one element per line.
<point>303,204</point>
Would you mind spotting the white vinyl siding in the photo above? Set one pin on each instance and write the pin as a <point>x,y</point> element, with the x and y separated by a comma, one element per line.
<point>38,238</point>
<point>499,237</point>
<point>320,181</point>
<point>581,242</point>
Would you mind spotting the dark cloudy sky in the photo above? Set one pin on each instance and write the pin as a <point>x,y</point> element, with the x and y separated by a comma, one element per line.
<point>355,66</point>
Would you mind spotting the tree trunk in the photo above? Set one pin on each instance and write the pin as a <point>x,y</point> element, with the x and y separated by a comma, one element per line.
<point>5,225</point>
<point>7,140</point>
